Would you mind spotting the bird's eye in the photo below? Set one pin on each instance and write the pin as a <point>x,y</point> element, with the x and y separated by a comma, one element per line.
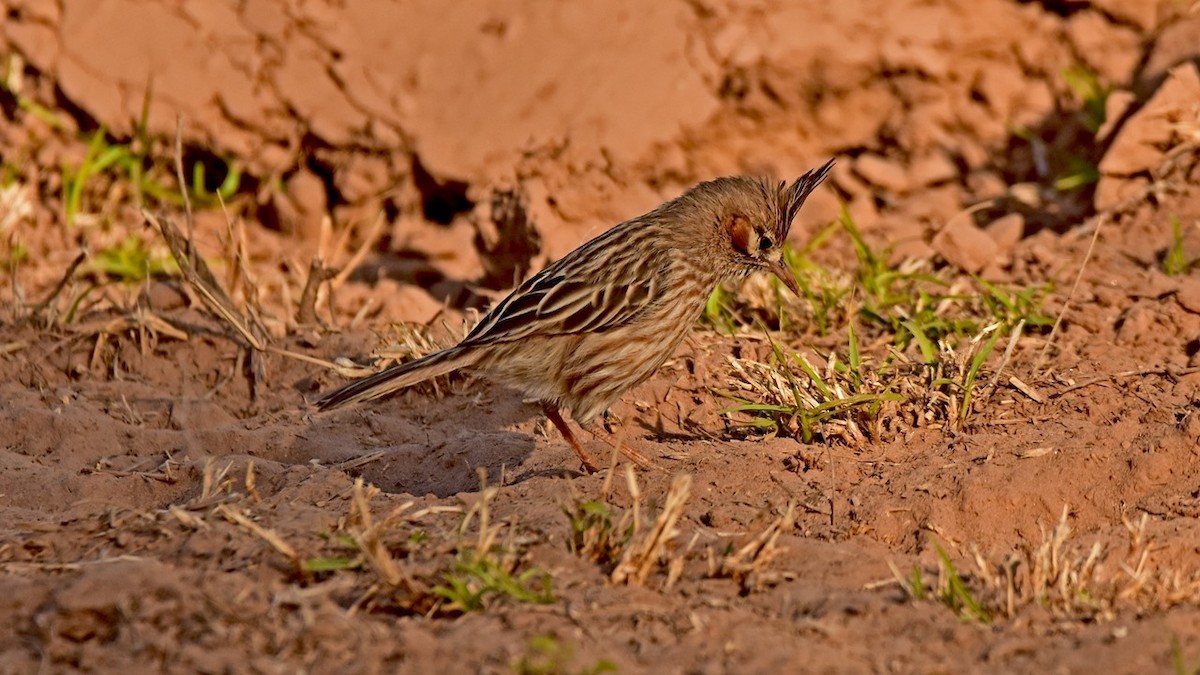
<point>765,243</point>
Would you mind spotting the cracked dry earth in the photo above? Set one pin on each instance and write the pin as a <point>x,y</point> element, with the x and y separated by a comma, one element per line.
<point>167,504</point>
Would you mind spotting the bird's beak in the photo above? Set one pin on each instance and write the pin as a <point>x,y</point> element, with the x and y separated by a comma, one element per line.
<point>780,269</point>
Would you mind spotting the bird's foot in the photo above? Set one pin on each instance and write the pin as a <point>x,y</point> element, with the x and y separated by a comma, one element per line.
<point>636,457</point>
<point>569,436</point>
<point>621,446</point>
<point>584,457</point>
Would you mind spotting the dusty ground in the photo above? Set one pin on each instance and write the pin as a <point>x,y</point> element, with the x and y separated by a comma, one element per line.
<point>167,503</point>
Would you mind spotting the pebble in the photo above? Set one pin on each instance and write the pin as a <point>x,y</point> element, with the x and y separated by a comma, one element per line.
<point>965,246</point>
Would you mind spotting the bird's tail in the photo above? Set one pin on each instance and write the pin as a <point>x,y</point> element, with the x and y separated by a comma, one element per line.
<point>398,377</point>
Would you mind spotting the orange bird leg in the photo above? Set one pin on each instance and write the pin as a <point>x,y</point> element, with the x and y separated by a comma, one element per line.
<point>627,450</point>
<point>568,435</point>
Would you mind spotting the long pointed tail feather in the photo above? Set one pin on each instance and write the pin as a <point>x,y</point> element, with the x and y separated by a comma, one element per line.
<point>398,377</point>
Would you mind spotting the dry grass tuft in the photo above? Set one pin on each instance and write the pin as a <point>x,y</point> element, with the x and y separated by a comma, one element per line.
<point>1062,576</point>
<point>646,550</point>
<point>410,574</point>
<point>368,535</point>
<point>631,547</point>
<point>747,563</point>
<point>628,548</point>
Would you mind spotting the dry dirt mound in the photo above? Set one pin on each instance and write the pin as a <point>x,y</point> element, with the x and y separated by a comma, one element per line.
<point>167,502</point>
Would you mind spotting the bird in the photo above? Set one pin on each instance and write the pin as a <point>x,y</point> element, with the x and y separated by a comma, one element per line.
<point>604,317</point>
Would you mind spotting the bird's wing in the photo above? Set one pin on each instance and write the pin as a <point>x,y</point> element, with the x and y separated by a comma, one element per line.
<point>584,292</point>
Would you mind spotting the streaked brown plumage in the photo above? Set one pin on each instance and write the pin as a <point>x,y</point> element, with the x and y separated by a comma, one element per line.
<point>604,317</point>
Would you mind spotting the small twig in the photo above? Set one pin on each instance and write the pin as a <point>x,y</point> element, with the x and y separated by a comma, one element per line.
<point>13,347</point>
<point>251,489</point>
<point>161,473</point>
<point>1023,420</point>
<point>1105,379</point>
<point>1037,366</point>
<point>125,322</point>
<point>363,249</point>
<point>187,201</point>
<point>345,371</point>
<point>58,288</point>
<point>1008,352</point>
<point>1174,372</point>
<point>361,314</point>
<point>186,519</point>
<point>69,566</point>
<point>1027,389</point>
<point>318,274</point>
<point>359,461</point>
<point>267,535</point>
<point>196,272</point>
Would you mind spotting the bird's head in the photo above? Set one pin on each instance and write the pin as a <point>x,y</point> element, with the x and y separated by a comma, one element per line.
<point>752,219</point>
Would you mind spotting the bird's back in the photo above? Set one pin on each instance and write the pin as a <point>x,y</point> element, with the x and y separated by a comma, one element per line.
<point>588,370</point>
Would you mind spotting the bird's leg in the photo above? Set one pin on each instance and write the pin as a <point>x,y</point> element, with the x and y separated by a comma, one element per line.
<point>633,455</point>
<point>569,436</point>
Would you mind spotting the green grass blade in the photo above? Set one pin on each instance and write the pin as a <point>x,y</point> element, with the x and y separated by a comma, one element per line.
<point>928,349</point>
<point>854,358</point>
<point>816,379</point>
<point>976,365</point>
<point>316,565</point>
<point>957,596</point>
